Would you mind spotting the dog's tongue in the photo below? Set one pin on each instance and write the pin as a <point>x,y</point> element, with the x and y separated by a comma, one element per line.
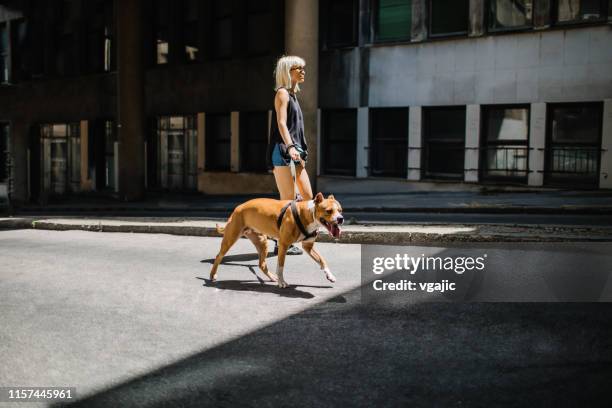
<point>335,231</point>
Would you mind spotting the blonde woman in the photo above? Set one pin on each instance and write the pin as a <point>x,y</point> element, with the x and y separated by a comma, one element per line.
<point>287,140</point>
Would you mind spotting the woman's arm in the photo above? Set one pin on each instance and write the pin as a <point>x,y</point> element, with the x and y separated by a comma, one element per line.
<point>281,101</point>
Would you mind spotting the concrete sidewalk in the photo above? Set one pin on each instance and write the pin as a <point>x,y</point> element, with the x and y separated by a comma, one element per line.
<point>352,234</point>
<point>483,201</point>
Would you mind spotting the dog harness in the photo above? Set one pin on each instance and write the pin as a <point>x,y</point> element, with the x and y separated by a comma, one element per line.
<point>297,219</point>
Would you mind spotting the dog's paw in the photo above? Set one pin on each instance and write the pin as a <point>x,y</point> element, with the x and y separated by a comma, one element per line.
<point>272,277</point>
<point>330,276</point>
<point>282,284</point>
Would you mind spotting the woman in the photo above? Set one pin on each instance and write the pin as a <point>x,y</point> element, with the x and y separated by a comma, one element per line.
<point>287,140</point>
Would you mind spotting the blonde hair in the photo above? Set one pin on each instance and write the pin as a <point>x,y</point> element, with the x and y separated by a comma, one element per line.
<point>282,73</point>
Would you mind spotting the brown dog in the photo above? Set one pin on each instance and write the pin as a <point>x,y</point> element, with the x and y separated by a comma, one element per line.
<point>259,219</point>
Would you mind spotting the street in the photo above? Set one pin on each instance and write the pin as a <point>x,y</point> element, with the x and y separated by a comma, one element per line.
<point>130,320</point>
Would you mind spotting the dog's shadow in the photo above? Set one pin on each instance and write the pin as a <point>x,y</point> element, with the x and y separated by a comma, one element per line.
<point>259,285</point>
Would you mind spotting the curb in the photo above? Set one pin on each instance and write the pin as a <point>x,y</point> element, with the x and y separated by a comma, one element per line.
<point>368,236</point>
<point>605,210</point>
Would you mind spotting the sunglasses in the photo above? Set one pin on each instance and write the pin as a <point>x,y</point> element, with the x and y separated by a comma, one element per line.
<point>302,69</point>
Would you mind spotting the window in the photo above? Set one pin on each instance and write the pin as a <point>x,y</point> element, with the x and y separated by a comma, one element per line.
<point>339,142</point>
<point>222,29</point>
<point>505,142</point>
<point>177,146</point>
<point>218,142</point>
<point>510,14</point>
<point>341,22</point>
<point>191,33</point>
<point>393,20</point>
<point>448,17</point>
<point>259,27</point>
<point>66,63</point>
<point>253,141</point>
<point>4,53</point>
<point>573,147</point>
<point>162,32</point>
<point>389,142</point>
<point>444,142</point>
<point>99,35</point>
<point>575,11</point>
<point>61,157</point>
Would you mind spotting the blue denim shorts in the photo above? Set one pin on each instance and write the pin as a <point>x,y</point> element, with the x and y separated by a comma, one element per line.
<point>277,159</point>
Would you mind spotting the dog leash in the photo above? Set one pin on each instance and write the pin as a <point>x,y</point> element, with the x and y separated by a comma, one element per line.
<point>296,193</point>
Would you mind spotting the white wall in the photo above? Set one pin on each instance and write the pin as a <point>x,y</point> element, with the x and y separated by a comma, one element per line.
<point>550,66</point>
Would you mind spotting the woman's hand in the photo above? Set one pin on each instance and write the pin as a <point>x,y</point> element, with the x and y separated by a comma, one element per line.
<point>295,155</point>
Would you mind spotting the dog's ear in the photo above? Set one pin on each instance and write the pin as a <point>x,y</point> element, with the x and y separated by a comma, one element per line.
<point>331,197</point>
<point>318,198</point>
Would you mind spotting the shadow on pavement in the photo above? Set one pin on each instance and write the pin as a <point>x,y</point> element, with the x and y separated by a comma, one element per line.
<point>355,352</point>
<point>263,287</point>
<point>237,258</point>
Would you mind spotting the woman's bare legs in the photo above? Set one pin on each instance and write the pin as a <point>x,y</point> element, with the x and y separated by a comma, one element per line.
<point>285,185</point>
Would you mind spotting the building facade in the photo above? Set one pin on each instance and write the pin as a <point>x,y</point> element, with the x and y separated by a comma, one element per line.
<point>103,97</point>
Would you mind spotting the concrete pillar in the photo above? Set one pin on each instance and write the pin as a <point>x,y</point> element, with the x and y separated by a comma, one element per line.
<point>605,177</point>
<point>302,38</point>
<point>19,138</point>
<point>363,142</point>
<point>537,143</point>
<point>201,124</point>
<point>86,183</point>
<point>476,16</point>
<point>472,143</point>
<point>318,140</point>
<point>235,142</point>
<point>130,98</point>
<point>415,142</point>
<point>419,21</point>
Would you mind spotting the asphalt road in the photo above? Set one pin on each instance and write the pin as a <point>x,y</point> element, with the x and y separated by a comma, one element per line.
<point>129,320</point>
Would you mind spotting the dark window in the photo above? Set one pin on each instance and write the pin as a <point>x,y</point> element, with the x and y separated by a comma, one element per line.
<point>449,17</point>
<point>393,20</point>
<point>505,142</point>
<point>222,29</point>
<point>99,35</point>
<point>191,30</point>
<point>61,157</point>
<point>66,63</point>
<point>340,19</point>
<point>575,11</point>
<point>218,142</point>
<point>162,31</point>
<point>4,153</point>
<point>339,142</point>
<point>259,27</point>
<point>4,53</point>
<point>177,147</point>
<point>573,147</point>
<point>444,142</point>
<point>509,14</point>
<point>18,46</point>
<point>253,141</point>
<point>389,142</point>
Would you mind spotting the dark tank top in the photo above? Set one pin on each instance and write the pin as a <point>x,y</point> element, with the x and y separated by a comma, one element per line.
<point>295,124</point>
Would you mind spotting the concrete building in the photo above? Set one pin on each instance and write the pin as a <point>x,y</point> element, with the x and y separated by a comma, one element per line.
<point>118,98</point>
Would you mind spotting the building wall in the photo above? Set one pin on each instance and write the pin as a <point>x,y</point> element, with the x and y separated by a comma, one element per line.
<point>550,66</point>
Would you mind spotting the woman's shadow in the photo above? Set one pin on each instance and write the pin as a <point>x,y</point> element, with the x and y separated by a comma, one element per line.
<point>258,285</point>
